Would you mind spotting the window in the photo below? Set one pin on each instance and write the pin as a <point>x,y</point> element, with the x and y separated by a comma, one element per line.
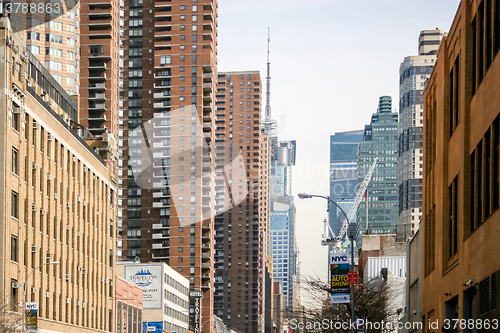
<point>454,94</point>
<point>452,223</point>
<point>53,38</point>
<point>15,117</point>
<point>165,59</point>
<point>13,248</point>
<point>15,161</point>
<point>33,35</point>
<point>35,49</point>
<point>96,49</point>
<point>15,205</point>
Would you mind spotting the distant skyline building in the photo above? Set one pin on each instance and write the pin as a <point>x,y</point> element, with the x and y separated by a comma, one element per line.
<point>343,176</point>
<point>380,139</point>
<point>414,70</point>
<point>283,217</point>
<point>239,248</point>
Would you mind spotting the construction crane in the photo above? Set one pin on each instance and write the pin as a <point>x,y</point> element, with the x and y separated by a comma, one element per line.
<point>336,240</point>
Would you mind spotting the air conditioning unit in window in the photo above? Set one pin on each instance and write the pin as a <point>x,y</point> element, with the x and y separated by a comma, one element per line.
<point>79,269</point>
<point>35,166</point>
<point>112,253</point>
<point>48,255</point>
<point>35,125</point>
<point>16,285</point>
<point>33,208</point>
<point>49,177</point>
<point>67,300</point>
<point>68,227</point>
<point>33,290</point>
<point>42,212</point>
<point>56,196</point>
<point>16,110</point>
<point>68,204</point>
<point>79,199</point>
<point>84,271</point>
<point>49,137</point>
<point>68,277</point>
<point>34,249</point>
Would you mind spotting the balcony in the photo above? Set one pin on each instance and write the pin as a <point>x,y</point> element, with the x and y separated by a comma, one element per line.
<point>97,86</point>
<point>100,66</point>
<point>166,44</point>
<point>97,97</point>
<point>163,4</point>
<point>97,118</point>
<point>97,77</point>
<point>97,107</point>
<point>207,87</point>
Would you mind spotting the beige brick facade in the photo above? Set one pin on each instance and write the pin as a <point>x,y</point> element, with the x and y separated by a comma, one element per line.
<point>57,201</point>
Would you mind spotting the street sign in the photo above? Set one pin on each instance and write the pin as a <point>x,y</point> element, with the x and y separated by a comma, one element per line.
<point>339,287</point>
<point>31,313</point>
<point>352,278</point>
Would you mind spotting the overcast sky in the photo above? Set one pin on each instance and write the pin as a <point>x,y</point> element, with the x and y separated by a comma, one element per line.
<point>330,62</point>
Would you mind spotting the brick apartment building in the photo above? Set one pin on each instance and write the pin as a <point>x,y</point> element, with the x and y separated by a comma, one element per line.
<point>167,200</point>
<point>461,171</point>
<point>239,267</point>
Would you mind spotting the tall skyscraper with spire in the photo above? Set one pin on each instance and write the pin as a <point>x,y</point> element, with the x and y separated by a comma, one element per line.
<point>269,125</point>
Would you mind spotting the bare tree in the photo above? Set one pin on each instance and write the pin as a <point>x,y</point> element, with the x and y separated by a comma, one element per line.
<point>373,301</point>
<point>10,321</point>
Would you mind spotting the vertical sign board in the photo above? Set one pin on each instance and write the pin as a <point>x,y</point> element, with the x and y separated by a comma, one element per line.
<point>31,310</point>
<point>149,277</point>
<point>195,301</point>
<point>339,268</point>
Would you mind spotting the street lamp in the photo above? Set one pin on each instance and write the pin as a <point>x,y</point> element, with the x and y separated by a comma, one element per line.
<point>308,196</point>
<point>24,293</point>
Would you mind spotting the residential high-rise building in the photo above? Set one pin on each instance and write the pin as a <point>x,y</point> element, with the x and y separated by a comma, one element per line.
<point>343,176</point>
<point>78,43</point>
<point>414,70</point>
<point>166,163</point>
<point>380,139</point>
<point>239,249</point>
<point>101,78</point>
<point>58,206</point>
<point>53,36</point>
<point>461,187</point>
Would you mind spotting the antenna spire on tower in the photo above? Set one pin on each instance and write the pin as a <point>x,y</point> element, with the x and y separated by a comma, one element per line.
<point>269,125</point>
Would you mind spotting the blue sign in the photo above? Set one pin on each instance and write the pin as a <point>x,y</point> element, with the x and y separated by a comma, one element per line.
<point>152,326</point>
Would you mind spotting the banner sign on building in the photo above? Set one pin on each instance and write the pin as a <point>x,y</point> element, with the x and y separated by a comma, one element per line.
<point>31,310</point>
<point>149,277</point>
<point>152,327</point>
<point>196,314</point>
<point>339,285</point>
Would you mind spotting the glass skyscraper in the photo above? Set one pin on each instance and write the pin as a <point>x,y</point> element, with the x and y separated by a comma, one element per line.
<point>380,139</point>
<point>343,166</point>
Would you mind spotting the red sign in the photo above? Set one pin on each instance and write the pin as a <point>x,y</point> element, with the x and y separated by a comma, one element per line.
<point>352,278</point>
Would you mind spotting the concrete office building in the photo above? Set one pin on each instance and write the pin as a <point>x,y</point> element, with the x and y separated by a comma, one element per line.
<point>167,200</point>
<point>58,201</point>
<point>239,249</point>
<point>166,296</point>
<point>461,171</point>
<point>343,177</point>
<point>413,72</point>
<point>380,140</point>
